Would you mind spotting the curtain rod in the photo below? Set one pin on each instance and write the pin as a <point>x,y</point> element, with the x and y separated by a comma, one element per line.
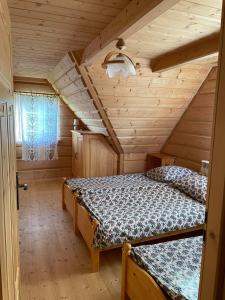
<point>37,93</point>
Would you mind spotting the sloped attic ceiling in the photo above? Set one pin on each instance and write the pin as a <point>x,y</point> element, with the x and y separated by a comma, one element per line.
<point>43,31</point>
<point>141,111</point>
<point>183,23</point>
<point>144,109</point>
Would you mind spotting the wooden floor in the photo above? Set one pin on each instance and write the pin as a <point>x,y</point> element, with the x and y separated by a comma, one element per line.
<point>55,263</point>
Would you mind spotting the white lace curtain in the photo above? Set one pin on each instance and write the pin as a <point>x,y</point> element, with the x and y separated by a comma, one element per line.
<point>37,125</point>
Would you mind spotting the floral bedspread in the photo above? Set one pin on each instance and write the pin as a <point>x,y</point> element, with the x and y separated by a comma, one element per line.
<point>174,265</point>
<point>136,211</point>
<point>95,183</point>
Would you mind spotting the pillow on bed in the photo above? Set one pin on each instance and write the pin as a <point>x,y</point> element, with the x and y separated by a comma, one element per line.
<point>169,173</point>
<point>194,186</point>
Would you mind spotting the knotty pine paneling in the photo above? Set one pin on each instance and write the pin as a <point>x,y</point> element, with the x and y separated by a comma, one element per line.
<point>43,31</point>
<point>190,141</point>
<point>69,83</point>
<point>144,109</point>
<point>29,170</point>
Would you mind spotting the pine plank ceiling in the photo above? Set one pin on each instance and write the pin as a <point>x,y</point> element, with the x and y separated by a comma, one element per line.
<point>185,22</point>
<point>44,30</point>
<point>143,110</point>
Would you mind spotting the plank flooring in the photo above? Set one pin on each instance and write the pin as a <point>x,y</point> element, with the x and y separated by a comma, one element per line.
<point>55,264</point>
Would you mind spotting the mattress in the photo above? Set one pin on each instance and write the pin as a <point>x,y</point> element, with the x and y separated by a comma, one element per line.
<point>174,265</point>
<point>133,212</point>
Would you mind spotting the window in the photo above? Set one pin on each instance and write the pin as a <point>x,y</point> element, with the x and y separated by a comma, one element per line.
<point>37,125</point>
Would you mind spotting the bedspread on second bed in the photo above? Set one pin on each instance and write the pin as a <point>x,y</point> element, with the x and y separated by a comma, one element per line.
<point>174,265</point>
<point>136,212</point>
<point>94,183</point>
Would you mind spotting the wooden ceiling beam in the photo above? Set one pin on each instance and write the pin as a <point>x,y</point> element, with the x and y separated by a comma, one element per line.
<point>205,47</point>
<point>134,17</point>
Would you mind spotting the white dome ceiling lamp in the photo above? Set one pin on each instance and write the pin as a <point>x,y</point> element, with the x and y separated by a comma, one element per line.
<point>118,63</point>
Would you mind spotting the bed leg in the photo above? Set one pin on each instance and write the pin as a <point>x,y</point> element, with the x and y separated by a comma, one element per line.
<point>95,254</point>
<point>126,252</point>
<point>63,195</point>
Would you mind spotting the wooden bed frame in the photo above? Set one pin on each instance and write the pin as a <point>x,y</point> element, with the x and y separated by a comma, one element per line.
<point>137,284</point>
<point>85,224</point>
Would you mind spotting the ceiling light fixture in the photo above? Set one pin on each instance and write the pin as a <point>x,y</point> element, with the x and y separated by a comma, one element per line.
<point>119,64</point>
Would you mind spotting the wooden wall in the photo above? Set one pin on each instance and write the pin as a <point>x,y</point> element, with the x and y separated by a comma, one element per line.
<point>190,141</point>
<point>29,170</point>
<point>6,86</point>
<point>144,109</point>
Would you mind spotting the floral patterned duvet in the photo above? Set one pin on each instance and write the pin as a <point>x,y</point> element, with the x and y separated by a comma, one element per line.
<point>95,183</point>
<point>174,265</point>
<point>133,211</point>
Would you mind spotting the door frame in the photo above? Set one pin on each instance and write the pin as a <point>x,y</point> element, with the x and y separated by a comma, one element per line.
<point>213,265</point>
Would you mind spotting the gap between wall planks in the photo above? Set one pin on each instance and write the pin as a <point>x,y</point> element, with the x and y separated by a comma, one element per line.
<point>190,141</point>
<point>47,169</point>
<point>75,56</point>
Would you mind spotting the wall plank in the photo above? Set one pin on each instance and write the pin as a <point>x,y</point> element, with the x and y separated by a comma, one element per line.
<point>190,141</point>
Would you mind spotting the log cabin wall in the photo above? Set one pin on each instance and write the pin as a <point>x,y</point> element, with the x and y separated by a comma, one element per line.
<point>144,109</point>
<point>190,141</point>
<point>29,170</point>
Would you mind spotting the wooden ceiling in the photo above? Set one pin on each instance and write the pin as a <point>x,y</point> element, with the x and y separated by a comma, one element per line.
<point>43,31</point>
<point>141,111</point>
<point>144,110</point>
<point>185,22</point>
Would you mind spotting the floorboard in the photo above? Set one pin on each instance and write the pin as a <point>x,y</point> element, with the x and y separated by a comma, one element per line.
<point>55,264</point>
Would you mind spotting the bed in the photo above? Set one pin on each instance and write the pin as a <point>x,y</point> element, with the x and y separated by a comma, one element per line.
<point>108,212</point>
<point>163,271</point>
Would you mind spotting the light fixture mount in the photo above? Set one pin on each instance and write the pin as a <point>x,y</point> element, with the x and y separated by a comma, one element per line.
<point>117,63</point>
<point>121,44</point>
